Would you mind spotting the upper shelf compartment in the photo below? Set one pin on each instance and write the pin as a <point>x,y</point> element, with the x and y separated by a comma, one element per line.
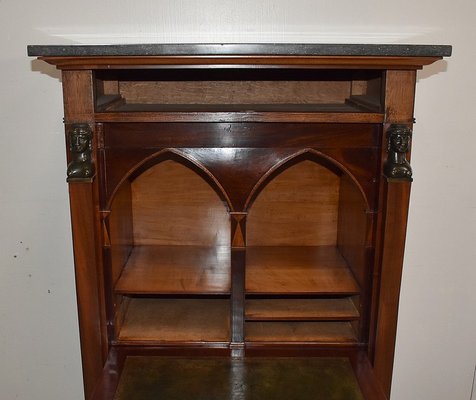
<point>236,95</point>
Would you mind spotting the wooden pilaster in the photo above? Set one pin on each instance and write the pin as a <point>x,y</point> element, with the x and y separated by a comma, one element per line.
<point>79,109</point>
<point>238,262</point>
<point>392,223</point>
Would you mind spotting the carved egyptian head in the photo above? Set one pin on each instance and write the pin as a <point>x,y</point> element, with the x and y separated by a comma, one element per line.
<point>80,139</point>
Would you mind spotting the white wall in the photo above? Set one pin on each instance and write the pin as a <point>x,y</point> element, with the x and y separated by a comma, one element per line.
<point>39,345</point>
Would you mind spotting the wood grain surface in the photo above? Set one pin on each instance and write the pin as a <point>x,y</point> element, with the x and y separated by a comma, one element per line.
<point>328,332</point>
<point>298,270</point>
<point>172,205</point>
<point>176,320</point>
<point>176,270</point>
<point>290,309</point>
<point>297,208</point>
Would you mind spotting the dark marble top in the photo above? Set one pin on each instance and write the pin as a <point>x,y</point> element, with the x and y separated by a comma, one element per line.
<point>376,50</point>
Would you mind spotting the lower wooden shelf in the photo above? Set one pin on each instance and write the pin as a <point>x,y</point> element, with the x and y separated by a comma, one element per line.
<point>159,321</point>
<point>290,309</point>
<point>312,332</point>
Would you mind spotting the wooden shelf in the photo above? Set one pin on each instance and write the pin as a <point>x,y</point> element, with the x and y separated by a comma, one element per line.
<point>339,112</point>
<point>176,320</point>
<point>176,270</point>
<point>298,270</point>
<point>342,309</point>
<point>324,332</point>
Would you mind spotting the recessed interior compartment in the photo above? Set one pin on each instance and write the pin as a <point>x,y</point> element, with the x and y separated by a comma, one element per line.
<point>160,320</point>
<point>306,265</point>
<point>239,90</point>
<point>170,259</point>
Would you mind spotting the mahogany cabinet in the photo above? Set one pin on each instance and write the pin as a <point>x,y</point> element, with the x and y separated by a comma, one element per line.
<point>238,211</point>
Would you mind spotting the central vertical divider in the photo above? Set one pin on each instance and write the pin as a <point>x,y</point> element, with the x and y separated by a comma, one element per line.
<point>238,261</point>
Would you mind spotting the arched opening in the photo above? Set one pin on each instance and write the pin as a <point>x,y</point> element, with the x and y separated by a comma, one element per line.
<point>307,266</point>
<point>297,207</point>
<point>169,235</point>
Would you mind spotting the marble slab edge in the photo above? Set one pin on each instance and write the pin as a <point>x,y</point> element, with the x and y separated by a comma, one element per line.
<point>265,49</point>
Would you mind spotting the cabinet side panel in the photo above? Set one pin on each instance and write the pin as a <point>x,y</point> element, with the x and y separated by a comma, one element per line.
<point>84,201</point>
<point>391,231</point>
<point>89,302</point>
<point>398,195</point>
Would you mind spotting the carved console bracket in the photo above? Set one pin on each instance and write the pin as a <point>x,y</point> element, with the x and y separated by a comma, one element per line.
<point>397,166</point>
<point>81,168</point>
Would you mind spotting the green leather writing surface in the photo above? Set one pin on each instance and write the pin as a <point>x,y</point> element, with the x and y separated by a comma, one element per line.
<point>167,378</point>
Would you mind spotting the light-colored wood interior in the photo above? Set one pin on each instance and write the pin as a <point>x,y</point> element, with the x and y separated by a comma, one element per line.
<point>296,208</point>
<point>325,332</point>
<point>173,205</point>
<point>290,309</point>
<point>121,304</point>
<point>120,230</point>
<point>298,270</point>
<point>235,92</point>
<point>176,320</point>
<point>353,232</point>
<point>176,270</point>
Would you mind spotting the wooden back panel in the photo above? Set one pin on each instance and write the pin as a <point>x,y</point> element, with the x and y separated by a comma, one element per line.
<point>173,205</point>
<point>297,208</point>
<point>235,92</point>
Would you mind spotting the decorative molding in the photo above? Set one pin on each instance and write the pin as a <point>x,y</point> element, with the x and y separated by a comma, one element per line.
<point>238,229</point>
<point>397,166</point>
<point>81,167</point>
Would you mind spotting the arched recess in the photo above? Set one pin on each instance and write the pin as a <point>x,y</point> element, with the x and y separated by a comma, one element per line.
<point>168,199</point>
<point>169,238</point>
<point>298,201</point>
<point>305,154</point>
<point>308,235</point>
<point>179,157</point>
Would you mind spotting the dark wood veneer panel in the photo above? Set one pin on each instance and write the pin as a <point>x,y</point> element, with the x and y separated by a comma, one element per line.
<point>254,135</point>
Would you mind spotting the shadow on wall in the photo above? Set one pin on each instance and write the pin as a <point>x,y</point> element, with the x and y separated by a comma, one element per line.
<point>45,68</point>
<point>433,69</point>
